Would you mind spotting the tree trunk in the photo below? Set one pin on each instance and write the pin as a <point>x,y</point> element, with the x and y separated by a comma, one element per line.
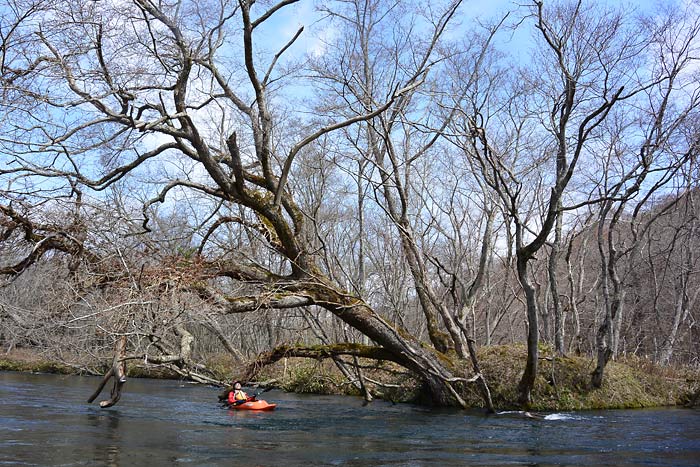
<point>426,363</point>
<point>603,354</point>
<point>613,291</point>
<point>612,301</point>
<point>527,382</point>
<point>481,380</point>
<point>684,302</point>
<point>575,288</point>
<point>554,289</point>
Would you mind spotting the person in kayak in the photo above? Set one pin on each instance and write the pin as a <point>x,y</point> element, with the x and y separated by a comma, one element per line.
<point>237,395</point>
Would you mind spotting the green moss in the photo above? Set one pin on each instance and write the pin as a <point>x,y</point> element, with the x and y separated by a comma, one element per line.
<point>138,371</point>
<point>447,360</point>
<point>312,378</point>
<point>564,383</point>
<point>37,366</point>
<point>9,365</point>
<point>408,391</point>
<point>221,366</point>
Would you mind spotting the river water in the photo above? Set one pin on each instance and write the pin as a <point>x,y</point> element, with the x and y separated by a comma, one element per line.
<point>45,420</point>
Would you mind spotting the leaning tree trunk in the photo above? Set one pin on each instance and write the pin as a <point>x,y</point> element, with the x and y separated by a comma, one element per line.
<point>438,371</point>
<point>479,377</point>
<point>575,288</point>
<point>428,364</point>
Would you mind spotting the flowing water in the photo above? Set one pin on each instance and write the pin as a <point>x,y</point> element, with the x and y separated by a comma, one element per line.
<point>44,420</point>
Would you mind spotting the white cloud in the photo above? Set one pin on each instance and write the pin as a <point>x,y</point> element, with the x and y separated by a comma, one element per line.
<point>283,25</point>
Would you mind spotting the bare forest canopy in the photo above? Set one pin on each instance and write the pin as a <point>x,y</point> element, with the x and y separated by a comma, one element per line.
<point>394,181</point>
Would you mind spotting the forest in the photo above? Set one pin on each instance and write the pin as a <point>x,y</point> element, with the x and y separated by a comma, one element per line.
<point>357,181</point>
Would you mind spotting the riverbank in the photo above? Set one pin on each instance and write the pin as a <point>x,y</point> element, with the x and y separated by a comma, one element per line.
<point>25,360</point>
<point>562,384</point>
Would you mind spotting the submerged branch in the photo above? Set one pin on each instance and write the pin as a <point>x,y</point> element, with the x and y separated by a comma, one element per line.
<point>118,372</point>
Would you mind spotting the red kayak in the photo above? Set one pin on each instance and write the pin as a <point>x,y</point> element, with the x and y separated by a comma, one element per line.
<point>254,405</point>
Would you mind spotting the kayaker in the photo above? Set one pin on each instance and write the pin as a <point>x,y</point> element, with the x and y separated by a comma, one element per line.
<point>237,394</point>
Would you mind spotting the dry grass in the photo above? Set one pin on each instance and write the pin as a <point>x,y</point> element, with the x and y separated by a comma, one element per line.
<point>563,383</point>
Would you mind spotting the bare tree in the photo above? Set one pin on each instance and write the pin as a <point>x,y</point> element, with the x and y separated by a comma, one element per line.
<point>658,159</point>
<point>671,265</point>
<point>195,186</point>
<point>141,94</point>
<point>553,117</point>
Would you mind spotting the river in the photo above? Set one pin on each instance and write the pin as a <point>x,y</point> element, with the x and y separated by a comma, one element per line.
<point>45,420</point>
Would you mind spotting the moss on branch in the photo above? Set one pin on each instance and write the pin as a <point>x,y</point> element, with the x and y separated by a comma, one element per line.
<point>317,352</point>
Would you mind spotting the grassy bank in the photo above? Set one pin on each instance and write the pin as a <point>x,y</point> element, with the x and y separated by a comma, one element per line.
<point>563,383</point>
<point>15,363</point>
<point>31,362</point>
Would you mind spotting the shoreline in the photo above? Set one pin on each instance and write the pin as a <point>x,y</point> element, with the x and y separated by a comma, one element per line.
<point>562,383</point>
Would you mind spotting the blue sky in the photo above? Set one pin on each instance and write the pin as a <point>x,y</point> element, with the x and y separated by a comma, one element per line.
<point>284,24</point>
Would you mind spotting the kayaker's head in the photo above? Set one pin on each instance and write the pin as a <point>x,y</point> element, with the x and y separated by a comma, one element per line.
<point>237,385</point>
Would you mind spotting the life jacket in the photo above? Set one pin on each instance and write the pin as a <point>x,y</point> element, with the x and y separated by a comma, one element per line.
<point>236,395</point>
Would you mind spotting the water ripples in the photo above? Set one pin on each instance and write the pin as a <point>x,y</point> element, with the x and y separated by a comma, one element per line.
<point>44,420</point>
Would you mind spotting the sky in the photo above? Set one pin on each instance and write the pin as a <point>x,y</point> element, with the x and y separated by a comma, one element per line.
<point>285,23</point>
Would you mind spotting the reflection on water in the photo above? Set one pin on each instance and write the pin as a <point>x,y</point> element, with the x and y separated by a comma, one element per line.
<point>106,423</point>
<point>44,420</point>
